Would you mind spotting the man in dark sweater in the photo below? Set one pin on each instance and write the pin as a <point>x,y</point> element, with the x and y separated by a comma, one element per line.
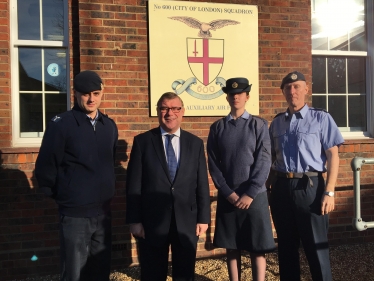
<point>75,167</point>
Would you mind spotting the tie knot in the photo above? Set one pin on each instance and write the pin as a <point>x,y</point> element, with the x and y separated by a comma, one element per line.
<point>170,137</point>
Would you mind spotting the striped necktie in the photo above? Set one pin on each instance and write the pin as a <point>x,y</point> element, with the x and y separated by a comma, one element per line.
<point>172,160</point>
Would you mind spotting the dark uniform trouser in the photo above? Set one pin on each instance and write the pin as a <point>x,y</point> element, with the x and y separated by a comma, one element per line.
<point>296,212</point>
<point>154,258</point>
<point>85,248</point>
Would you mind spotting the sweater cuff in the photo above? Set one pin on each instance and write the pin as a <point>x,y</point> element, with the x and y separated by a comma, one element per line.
<point>253,191</point>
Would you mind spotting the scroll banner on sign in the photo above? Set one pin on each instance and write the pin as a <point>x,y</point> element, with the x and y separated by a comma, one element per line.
<point>195,47</point>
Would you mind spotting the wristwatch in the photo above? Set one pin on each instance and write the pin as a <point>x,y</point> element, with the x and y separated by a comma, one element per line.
<point>329,193</point>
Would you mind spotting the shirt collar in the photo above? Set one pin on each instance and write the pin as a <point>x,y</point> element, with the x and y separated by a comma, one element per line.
<point>177,133</point>
<point>245,115</point>
<point>96,117</point>
<point>301,113</point>
<point>81,117</point>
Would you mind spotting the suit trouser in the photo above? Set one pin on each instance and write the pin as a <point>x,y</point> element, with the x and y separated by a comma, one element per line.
<point>296,212</point>
<point>85,248</point>
<point>154,258</point>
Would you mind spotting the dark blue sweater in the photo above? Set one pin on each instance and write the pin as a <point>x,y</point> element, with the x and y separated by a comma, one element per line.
<point>239,155</point>
<point>75,165</point>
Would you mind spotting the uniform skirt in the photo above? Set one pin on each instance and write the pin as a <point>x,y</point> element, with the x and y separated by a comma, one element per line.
<point>248,230</point>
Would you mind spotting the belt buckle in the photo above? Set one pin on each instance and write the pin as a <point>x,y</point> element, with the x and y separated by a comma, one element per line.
<point>289,175</point>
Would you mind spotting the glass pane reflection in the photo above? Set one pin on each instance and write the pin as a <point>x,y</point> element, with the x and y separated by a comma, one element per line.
<point>54,104</point>
<point>55,69</point>
<point>53,20</point>
<point>336,75</point>
<point>338,25</point>
<point>337,106</point>
<point>30,69</point>
<point>28,19</point>
<point>356,75</point>
<point>357,112</point>
<point>31,113</point>
<point>339,43</point>
<point>319,75</point>
<point>319,102</point>
<point>358,36</point>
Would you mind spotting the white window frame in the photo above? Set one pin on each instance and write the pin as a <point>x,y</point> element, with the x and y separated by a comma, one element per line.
<point>17,140</point>
<point>369,72</point>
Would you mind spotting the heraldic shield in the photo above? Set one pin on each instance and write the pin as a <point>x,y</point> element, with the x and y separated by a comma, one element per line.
<point>205,58</point>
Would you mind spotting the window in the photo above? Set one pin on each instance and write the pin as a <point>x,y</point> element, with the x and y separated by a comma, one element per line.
<point>40,73</point>
<point>341,45</point>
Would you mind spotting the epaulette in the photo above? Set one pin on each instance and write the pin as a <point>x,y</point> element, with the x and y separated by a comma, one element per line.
<point>56,118</point>
<point>318,109</point>
<point>258,117</point>
<point>260,121</point>
<point>279,114</point>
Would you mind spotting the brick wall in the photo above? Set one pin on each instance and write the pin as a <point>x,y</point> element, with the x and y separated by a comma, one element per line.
<point>110,36</point>
<point>5,113</point>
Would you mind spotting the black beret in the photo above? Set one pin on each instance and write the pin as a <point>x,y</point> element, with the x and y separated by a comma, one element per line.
<point>87,81</point>
<point>292,77</point>
<point>237,85</point>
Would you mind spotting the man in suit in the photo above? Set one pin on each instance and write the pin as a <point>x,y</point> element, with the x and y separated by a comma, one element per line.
<point>167,194</point>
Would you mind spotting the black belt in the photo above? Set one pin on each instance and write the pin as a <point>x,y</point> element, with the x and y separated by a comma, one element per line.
<point>292,175</point>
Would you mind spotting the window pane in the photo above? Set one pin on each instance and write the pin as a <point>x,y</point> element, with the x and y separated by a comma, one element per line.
<point>319,102</point>
<point>319,37</point>
<point>338,25</point>
<point>358,36</point>
<point>53,20</point>
<point>339,43</point>
<point>336,75</point>
<point>54,104</point>
<point>337,109</point>
<point>31,113</point>
<point>30,70</point>
<point>356,75</point>
<point>319,75</point>
<point>55,69</point>
<point>357,112</point>
<point>28,19</point>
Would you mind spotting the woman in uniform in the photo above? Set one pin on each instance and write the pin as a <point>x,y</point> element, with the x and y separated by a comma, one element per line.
<point>239,158</point>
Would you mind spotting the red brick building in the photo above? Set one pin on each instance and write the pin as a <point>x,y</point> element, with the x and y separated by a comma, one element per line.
<point>110,37</point>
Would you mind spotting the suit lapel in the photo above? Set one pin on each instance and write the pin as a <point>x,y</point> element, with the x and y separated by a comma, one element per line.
<point>158,145</point>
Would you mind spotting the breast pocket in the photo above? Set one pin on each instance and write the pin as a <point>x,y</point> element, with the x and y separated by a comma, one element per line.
<point>308,135</point>
<point>279,139</point>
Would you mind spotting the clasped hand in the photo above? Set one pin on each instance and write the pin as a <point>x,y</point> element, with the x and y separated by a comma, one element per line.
<point>242,202</point>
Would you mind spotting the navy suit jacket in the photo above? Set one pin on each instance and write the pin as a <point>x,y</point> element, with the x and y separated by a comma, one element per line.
<point>150,194</point>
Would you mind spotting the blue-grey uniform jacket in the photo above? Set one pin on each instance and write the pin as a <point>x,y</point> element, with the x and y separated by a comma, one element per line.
<point>75,165</point>
<point>239,155</point>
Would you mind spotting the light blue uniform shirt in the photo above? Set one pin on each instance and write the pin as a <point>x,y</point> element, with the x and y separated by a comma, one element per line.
<point>299,141</point>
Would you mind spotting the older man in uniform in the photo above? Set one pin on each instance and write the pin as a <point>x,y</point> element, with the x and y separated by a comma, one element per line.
<point>303,140</point>
<point>75,167</point>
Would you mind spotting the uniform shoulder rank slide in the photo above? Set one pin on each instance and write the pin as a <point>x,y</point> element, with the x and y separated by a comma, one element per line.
<point>56,118</point>
<point>319,109</point>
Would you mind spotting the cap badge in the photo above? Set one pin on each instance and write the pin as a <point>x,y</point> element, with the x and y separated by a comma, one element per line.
<point>294,76</point>
<point>101,86</point>
<point>235,85</point>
